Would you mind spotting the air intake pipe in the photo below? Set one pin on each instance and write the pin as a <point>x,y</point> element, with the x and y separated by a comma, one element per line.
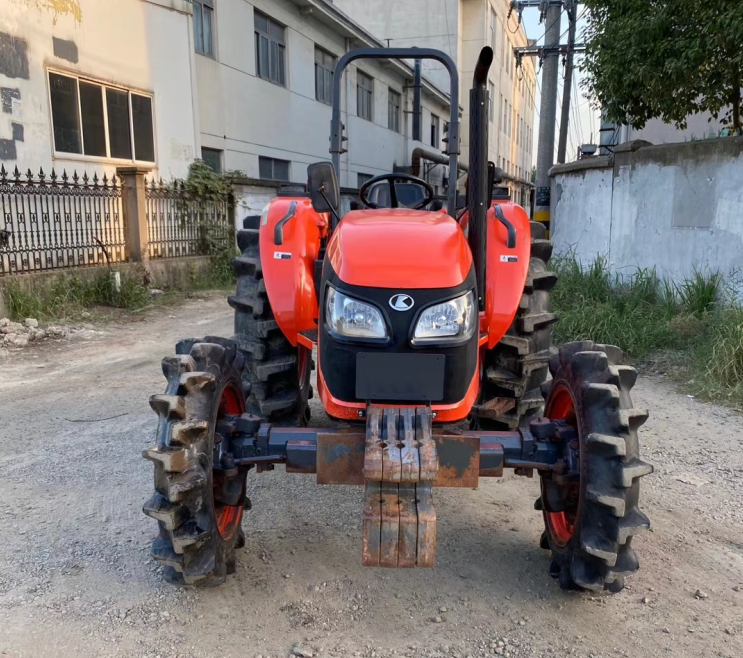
<point>478,195</point>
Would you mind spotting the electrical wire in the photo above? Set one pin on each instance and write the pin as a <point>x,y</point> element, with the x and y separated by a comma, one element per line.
<point>448,36</point>
<point>547,29</point>
<point>574,106</point>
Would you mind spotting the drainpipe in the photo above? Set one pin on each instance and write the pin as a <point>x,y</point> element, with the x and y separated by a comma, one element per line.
<point>431,156</point>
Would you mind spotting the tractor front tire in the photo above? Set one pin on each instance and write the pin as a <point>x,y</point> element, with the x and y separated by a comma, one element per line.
<point>277,374</point>
<point>516,367</point>
<point>591,517</point>
<point>198,504</point>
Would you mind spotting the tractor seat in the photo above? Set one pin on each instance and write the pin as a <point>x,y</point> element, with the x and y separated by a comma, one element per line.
<point>408,194</point>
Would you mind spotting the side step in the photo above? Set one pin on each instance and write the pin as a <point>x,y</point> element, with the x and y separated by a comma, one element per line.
<point>400,464</point>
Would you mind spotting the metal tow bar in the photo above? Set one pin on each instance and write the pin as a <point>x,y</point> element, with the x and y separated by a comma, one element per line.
<point>398,461</point>
<point>400,465</point>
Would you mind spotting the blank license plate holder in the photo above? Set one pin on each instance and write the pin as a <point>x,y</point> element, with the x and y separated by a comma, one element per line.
<point>400,377</point>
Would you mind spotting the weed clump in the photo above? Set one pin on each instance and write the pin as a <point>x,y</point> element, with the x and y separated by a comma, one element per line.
<point>692,326</point>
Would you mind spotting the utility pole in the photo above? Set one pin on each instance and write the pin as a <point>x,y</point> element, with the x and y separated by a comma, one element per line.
<point>549,55</point>
<point>548,111</point>
<point>570,7</point>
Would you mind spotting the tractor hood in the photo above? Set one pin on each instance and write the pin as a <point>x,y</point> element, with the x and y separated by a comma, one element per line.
<point>399,248</point>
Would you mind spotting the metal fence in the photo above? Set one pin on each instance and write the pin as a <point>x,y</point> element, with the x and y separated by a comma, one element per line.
<point>181,224</point>
<point>52,222</point>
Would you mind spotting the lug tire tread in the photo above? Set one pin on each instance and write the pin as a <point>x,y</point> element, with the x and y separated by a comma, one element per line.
<point>517,366</point>
<point>600,555</point>
<point>270,377</point>
<point>188,545</point>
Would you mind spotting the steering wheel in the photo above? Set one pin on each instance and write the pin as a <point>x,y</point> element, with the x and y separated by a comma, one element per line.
<point>391,180</point>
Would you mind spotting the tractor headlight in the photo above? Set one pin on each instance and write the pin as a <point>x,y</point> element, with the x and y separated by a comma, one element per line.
<point>349,317</point>
<point>451,321</point>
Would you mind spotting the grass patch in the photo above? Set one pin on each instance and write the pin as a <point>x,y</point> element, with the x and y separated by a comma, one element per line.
<point>68,297</point>
<point>75,297</point>
<point>690,328</point>
<point>219,275</point>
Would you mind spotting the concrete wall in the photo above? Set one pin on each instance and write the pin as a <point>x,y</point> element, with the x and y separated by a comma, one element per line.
<point>252,196</point>
<point>672,207</point>
<point>143,45</point>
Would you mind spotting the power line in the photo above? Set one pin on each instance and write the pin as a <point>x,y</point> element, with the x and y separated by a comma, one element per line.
<point>448,36</point>
<point>556,20</point>
<point>575,108</point>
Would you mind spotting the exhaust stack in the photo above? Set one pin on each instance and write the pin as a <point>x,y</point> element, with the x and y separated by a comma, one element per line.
<point>478,194</point>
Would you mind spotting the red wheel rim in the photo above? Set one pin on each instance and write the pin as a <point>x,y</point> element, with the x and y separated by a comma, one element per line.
<point>561,525</point>
<point>228,517</point>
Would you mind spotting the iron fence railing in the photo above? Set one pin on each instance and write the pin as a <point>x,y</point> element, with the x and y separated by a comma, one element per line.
<point>181,224</point>
<point>52,222</point>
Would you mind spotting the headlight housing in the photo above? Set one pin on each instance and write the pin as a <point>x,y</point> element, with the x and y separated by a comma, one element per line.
<point>352,318</point>
<point>447,322</point>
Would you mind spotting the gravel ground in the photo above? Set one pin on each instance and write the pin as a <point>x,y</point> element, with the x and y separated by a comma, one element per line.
<point>76,578</point>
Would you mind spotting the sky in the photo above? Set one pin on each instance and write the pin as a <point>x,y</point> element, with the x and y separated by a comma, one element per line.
<point>584,120</point>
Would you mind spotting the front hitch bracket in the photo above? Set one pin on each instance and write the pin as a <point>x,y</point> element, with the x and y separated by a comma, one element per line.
<point>398,460</point>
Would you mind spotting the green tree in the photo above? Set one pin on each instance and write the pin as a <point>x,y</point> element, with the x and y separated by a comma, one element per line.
<point>665,59</point>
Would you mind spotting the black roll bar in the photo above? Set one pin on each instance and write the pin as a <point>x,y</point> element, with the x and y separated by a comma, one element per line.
<point>336,132</point>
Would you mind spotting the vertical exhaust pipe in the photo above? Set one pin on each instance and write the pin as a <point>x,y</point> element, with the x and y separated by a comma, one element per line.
<point>478,194</point>
<point>417,101</point>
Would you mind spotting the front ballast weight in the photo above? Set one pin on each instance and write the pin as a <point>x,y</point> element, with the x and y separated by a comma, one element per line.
<point>585,452</point>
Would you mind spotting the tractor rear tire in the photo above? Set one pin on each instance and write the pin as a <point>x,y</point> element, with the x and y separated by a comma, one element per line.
<point>516,367</point>
<point>198,504</point>
<point>590,519</point>
<point>276,379</point>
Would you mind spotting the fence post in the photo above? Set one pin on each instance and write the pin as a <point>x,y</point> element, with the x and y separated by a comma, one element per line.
<point>134,208</point>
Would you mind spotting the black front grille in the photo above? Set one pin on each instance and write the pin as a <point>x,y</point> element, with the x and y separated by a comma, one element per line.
<point>338,357</point>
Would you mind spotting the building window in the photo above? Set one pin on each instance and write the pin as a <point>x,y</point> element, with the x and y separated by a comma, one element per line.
<point>504,127</point>
<point>92,119</point>
<point>393,110</point>
<point>364,96</point>
<point>362,178</point>
<point>492,29</point>
<point>273,169</point>
<point>324,71</point>
<point>270,61</point>
<point>203,13</point>
<point>491,107</point>
<point>435,128</point>
<point>213,158</point>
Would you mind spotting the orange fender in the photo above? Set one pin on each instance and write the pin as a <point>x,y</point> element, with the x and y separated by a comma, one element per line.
<point>288,269</point>
<point>505,271</point>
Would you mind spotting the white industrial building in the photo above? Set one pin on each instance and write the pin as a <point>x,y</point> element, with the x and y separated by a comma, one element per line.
<point>94,84</point>
<point>461,28</point>
<point>88,85</point>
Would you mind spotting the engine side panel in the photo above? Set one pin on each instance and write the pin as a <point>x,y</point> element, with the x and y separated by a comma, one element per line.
<point>505,271</point>
<point>288,269</point>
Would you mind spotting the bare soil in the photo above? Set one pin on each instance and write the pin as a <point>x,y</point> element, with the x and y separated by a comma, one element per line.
<point>76,578</point>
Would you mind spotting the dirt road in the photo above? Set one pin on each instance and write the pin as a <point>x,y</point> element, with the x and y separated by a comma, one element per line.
<point>76,578</point>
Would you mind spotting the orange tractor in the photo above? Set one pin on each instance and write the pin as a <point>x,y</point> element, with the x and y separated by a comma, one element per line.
<point>432,334</point>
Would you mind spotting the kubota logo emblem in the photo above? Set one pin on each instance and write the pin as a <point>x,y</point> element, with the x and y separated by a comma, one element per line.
<point>401,302</point>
